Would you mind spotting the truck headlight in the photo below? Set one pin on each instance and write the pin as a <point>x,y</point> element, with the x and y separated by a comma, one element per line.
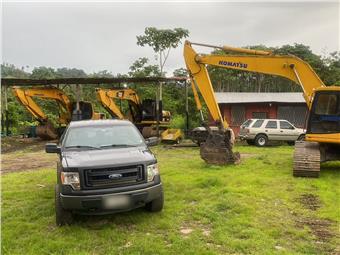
<point>71,178</point>
<point>152,171</point>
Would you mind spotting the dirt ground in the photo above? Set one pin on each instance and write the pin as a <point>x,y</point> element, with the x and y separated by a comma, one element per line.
<point>24,154</point>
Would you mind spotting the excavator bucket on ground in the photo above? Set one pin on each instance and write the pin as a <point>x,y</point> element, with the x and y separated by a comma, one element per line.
<point>217,149</point>
<point>46,131</point>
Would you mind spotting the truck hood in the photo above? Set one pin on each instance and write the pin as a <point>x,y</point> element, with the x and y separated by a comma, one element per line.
<point>107,157</point>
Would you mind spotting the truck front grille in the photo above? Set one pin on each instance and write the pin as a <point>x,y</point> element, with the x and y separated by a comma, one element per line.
<point>114,177</point>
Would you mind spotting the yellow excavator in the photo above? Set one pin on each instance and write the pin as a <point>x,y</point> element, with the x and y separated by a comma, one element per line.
<point>68,110</point>
<point>142,113</point>
<point>322,140</point>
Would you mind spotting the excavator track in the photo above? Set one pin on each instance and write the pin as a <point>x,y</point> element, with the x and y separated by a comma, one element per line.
<point>306,159</point>
<point>217,150</point>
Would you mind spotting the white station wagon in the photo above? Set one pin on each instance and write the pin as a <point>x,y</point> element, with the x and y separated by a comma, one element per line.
<point>261,131</point>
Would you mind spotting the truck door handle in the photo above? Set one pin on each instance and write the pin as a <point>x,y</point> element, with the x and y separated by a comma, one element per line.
<point>281,131</point>
<point>266,130</point>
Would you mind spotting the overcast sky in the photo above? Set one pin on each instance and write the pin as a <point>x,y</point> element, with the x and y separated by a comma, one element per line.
<point>102,36</point>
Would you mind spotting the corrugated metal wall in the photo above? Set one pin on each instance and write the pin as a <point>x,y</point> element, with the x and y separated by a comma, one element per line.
<point>294,114</point>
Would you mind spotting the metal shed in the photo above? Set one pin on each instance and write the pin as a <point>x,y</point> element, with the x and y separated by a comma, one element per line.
<point>238,107</point>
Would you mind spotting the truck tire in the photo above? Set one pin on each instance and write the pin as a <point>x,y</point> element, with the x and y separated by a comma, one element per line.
<point>62,216</point>
<point>155,205</point>
<point>261,140</point>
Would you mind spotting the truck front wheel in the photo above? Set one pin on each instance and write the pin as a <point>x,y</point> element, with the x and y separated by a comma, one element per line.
<point>155,205</point>
<point>62,216</point>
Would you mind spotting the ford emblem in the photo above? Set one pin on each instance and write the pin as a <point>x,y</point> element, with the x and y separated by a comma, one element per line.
<point>115,176</point>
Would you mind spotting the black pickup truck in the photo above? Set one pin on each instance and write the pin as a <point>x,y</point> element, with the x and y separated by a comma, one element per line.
<point>105,166</point>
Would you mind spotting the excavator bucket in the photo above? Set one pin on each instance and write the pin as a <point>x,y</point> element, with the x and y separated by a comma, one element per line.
<point>217,149</point>
<point>46,131</point>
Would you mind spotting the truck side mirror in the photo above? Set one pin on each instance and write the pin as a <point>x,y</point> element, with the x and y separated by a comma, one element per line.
<point>152,141</point>
<point>52,148</point>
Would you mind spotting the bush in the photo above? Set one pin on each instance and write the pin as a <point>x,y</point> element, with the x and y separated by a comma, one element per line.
<point>177,121</point>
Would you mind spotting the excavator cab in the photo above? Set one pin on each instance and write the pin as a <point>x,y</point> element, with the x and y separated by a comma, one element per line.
<point>149,110</point>
<point>85,111</point>
<point>325,113</point>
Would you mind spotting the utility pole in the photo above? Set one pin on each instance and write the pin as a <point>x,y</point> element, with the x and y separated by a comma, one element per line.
<point>158,102</point>
<point>186,107</point>
<point>77,112</point>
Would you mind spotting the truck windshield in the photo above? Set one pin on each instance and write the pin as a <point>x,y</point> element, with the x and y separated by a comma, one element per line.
<point>99,137</point>
<point>325,116</point>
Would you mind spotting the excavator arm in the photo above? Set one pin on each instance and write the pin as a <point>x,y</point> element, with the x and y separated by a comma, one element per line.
<point>289,67</point>
<point>107,99</point>
<point>25,97</point>
<point>45,130</point>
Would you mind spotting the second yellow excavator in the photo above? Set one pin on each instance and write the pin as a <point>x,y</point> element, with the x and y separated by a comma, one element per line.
<point>322,142</point>
<point>142,113</point>
<point>67,109</point>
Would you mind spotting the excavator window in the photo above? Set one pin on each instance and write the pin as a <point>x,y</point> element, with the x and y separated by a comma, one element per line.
<point>327,105</point>
<point>149,110</point>
<point>325,115</point>
<point>85,110</point>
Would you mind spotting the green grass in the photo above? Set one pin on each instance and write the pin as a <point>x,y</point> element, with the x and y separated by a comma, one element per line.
<point>250,208</point>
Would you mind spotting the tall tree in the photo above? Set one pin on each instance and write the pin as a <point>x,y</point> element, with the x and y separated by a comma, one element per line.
<point>162,41</point>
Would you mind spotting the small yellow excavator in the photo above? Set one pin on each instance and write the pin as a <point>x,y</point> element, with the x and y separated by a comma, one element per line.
<point>322,141</point>
<point>142,113</point>
<point>67,110</point>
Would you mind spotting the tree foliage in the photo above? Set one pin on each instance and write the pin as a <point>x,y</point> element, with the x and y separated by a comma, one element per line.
<point>162,41</point>
<point>224,80</point>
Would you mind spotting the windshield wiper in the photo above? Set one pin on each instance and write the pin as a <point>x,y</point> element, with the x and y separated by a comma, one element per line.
<point>117,145</point>
<point>82,146</point>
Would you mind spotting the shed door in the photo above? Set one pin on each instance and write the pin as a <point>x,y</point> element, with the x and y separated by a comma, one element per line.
<point>238,115</point>
<point>294,114</point>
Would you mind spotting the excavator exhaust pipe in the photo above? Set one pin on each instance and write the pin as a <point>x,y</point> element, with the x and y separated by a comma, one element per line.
<point>218,149</point>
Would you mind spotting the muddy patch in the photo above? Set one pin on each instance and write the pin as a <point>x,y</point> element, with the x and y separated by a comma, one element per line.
<point>25,154</point>
<point>319,227</point>
<point>187,228</point>
<point>13,144</point>
<point>310,201</point>
<point>27,161</point>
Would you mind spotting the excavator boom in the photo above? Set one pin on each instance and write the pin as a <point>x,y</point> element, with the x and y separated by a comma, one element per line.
<point>67,109</point>
<point>45,130</point>
<point>107,98</point>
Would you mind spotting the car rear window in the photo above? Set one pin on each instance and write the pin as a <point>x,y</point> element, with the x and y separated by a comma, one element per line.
<point>271,124</point>
<point>247,123</point>
<point>258,123</point>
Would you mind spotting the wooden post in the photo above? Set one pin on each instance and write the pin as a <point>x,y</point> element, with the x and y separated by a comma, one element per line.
<point>77,112</point>
<point>6,111</point>
<point>157,108</point>
<point>2,111</point>
<point>186,106</point>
